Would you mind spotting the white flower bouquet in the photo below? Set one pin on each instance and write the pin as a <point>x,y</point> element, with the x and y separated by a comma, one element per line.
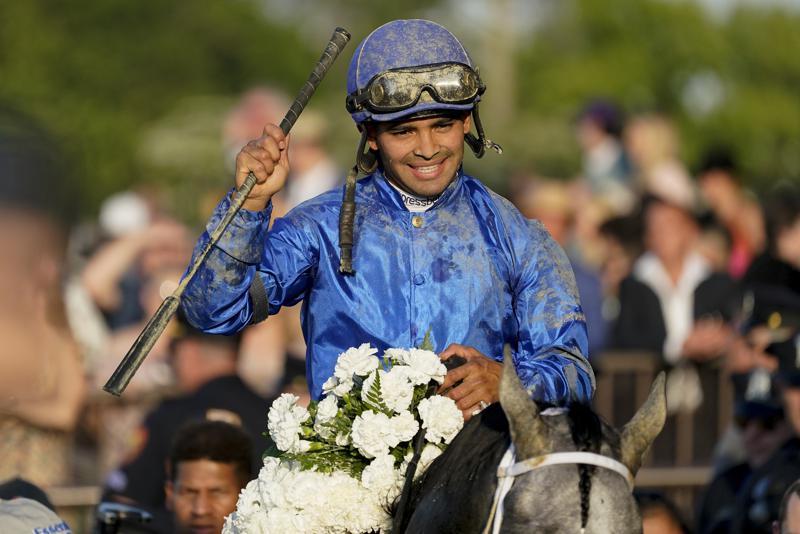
<point>341,463</point>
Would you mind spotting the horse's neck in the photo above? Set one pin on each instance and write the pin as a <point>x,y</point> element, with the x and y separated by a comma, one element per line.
<point>464,478</point>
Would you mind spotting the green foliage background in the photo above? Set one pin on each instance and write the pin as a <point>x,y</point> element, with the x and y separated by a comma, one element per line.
<point>136,89</point>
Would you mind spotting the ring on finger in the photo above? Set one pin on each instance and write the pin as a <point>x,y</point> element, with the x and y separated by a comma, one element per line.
<point>482,405</point>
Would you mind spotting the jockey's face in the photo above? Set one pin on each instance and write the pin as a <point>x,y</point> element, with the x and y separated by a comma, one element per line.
<point>421,155</point>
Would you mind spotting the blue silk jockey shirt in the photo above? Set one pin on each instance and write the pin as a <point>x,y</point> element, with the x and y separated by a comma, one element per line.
<point>471,269</point>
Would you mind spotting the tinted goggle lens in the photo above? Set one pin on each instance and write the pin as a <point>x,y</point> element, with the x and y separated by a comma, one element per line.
<point>400,89</point>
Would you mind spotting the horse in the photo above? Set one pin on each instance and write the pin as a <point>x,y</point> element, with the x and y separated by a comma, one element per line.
<point>567,472</point>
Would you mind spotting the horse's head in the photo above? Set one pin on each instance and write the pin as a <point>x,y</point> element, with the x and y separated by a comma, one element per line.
<point>571,496</point>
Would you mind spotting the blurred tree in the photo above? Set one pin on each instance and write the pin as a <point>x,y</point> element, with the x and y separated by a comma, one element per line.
<point>100,72</point>
<point>128,83</point>
<point>729,81</point>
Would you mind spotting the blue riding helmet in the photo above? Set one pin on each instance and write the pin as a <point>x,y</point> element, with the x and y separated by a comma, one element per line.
<point>405,68</point>
<point>401,46</point>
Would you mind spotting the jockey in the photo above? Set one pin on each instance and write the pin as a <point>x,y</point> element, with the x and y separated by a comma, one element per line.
<point>433,249</point>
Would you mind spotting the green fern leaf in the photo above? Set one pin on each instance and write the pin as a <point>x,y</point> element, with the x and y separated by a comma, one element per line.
<point>427,343</point>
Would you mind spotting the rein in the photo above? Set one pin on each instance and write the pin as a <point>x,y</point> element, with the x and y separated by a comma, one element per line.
<point>509,469</point>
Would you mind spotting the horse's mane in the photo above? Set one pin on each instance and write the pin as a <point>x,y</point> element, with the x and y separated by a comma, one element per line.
<point>587,434</point>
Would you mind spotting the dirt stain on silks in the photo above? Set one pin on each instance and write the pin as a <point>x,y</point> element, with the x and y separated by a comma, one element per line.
<point>441,269</point>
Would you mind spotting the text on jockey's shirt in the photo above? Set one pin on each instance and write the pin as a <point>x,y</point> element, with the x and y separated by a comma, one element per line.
<point>413,202</point>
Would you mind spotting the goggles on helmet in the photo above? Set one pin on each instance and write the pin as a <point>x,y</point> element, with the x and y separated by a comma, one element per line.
<point>399,89</point>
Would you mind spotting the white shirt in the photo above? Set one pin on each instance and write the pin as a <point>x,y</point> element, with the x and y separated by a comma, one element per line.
<point>677,301</point>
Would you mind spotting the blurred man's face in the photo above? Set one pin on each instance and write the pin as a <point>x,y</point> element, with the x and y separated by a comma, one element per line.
<point>202,494</point>
<point>421,156</point>
<point>659,521</point>
<point>721,193</point>
<point>669,232</point>
<point>762,438</point>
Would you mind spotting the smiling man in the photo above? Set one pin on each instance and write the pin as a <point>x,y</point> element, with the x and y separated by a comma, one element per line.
<point>434,250</point>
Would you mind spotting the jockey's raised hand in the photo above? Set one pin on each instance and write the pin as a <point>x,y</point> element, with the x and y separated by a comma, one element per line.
<point>479,380</point>
<point>267,158</point>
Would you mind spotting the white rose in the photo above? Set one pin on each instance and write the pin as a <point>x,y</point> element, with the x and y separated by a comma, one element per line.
<point>343,387</point>
<point>379,473</point>
<point>368,433</point>
<point>429,454</point>
<point>327,409</point>
<point>329,385</point>
<point>249,502</point>
<point>326,412</point>
<point>360,361</point>
<point>396,391</point>
<point>284,421</point>
<point>381,477</point>
<point>424,366</point>
<point>230,527</point>
<point>397,355</point>
<point>403,428</point>
<point>441,418</point>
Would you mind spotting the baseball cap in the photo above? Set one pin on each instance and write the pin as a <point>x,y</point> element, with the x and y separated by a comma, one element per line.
<point>26,516</point>
<point>18,487</point>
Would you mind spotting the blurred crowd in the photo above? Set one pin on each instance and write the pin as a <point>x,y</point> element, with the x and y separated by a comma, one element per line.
<point>684,267</point>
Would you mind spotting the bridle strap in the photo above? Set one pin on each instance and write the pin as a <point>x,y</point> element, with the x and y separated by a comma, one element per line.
<point>503,486</point>
<point>508,470</point>
<point>560,458</point>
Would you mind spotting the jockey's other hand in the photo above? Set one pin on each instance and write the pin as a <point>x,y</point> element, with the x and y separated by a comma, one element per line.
<point>267,158</point>
<point>473,385</point>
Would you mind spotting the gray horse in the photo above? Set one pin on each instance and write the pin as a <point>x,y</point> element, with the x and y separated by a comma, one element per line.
<point>544,493</point>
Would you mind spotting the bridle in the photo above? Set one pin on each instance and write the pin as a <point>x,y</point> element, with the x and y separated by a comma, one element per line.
<point>508,470</point>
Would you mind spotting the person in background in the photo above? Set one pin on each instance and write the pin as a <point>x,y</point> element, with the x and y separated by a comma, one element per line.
<point>674,306</point>
<point>734,207</point>
<point>779,265</point>
<point>764,431</point>
<point>673,303</point>
<point>652,143</point>
<point>606,168</point>
<point>42,386</point>
<point>621,245</point>
<point>659,514</point>
<point>758,500</point>
<point>209,464</point>
<point>205,374</point>
<point>25,516</point>
<point>139,241</point>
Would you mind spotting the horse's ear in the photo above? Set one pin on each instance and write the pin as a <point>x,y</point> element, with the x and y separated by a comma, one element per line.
<point>528,431</point>
<point>645,425</point>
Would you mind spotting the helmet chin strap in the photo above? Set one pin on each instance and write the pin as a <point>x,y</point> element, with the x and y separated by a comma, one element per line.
<point>366,158</point>
<point>479,144</point>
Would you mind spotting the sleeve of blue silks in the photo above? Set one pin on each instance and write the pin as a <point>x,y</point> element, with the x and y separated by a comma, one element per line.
<point>217,299</point>
<point>551,352</point>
